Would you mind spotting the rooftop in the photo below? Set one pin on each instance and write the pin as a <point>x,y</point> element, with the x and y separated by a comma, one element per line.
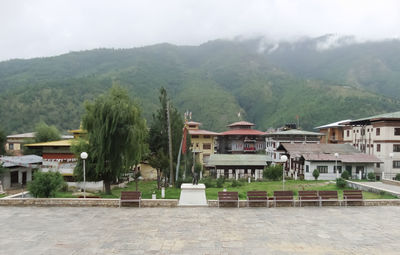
<point>11,161</point>
<point>326,152</point>
<point>334,124</point>
<point>243,132</point>
<point>238,160</point>
<point>294,132</point>
<point>61,143</point>
<point>384,116</point>
<point>201,132</point>
<point>24,135</point>
<point>241,123</point>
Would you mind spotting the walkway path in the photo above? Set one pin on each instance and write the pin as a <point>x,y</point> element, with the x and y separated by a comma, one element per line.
<point>311,230</point>
<point>383,186</point>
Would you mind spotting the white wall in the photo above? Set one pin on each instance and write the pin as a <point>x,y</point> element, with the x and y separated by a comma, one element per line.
<point>331,175</point>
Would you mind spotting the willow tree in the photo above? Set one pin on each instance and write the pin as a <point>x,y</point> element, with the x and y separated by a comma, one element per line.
<point>116,135</point>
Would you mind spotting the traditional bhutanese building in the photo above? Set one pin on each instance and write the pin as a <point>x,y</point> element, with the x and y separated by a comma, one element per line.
<point>203,141</point>
<point>275,138</point>
<point>241,138</point>
<point>57,156</point>
<point>334,132</point>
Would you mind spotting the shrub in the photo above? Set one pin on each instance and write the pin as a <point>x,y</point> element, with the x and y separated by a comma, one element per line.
<point>236,183</point>
<point>220,182</point>
<point>273,173</point>
<point>179,182</point>
<point>208,182</point>
<point>345,175</point>
<point>397,178</point>
<point>45,184</point>
<point>341,183</point>
<point>371,176</point>
<point>315,173</point>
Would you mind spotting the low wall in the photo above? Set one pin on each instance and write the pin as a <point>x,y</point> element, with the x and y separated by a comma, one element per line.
<point>366,187</point>
<point>391,182</point>
<point>80,202</point>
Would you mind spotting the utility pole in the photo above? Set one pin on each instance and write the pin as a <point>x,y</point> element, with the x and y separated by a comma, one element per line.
<point>171,170</point>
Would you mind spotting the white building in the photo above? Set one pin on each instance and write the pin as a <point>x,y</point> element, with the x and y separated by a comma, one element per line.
<point>19,169</point>
<point>379,136</point>
<point>303,159</point>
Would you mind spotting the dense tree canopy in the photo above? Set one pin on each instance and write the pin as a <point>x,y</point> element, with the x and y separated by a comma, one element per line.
<point>46,133</point>
<point>116,137</point>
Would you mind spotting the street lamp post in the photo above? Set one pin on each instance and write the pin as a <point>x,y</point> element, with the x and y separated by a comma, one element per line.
<point>84,156</point>
<point>284,158</point>
<point>337,171</point>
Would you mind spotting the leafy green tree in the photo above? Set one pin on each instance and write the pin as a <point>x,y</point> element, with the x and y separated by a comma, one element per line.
<point>3,139</point>
<point>45,184</point>
<point>43,133</point>
<point>315,173</point>
<point>273,173</point>
<point>46,133</point>
<point>340,183</point>
<point>116,137</point>
<point>158,136</point>
<point>397,178</point>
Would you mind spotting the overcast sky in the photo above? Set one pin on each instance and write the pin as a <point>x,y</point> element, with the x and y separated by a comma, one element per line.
<point>50,27</point>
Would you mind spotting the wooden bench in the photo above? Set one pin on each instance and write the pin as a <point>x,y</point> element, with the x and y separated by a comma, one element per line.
<point>328,196</point>
<point>228,197</point>
<point>283,196</point>
<point>353,196</point>
<point>130,196</point>
<point>257,197</point>
<point>308,196</point>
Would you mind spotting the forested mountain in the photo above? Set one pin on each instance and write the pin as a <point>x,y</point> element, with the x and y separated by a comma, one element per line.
<point>268,83</point>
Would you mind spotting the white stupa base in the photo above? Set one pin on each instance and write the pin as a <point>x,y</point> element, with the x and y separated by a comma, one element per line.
<point>193,195</point>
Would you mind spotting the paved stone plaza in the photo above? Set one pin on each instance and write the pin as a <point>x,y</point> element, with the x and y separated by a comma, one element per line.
<point>311,230</point>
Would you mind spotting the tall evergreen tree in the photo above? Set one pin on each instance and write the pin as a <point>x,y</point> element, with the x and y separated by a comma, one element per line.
<point>116,136</point>
<point>158,136</point>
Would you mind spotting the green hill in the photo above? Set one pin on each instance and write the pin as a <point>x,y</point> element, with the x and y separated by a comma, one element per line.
<point>215,81</point>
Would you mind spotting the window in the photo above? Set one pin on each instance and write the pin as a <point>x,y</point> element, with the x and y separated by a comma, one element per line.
<point>207,146</point>
<point>195,136</point>
<point>362,131</point>
<point>207,136</point>
<point>396,131</point>
<point>396,164</point>
<point>378,131</point>
<point>307,168</point>
<point>339,169</point>
<point>378,165</point>
<point>322,169</point>
<point>348,133</point>
<point>396,147</point>
<point>11,146</point>
<point>378,147</point>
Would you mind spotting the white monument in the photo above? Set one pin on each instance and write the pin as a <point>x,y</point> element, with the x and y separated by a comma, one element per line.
<point>193,195</point>
<point>1,188</point>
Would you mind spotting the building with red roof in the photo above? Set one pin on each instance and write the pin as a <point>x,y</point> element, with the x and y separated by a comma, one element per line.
<point>241,138</point>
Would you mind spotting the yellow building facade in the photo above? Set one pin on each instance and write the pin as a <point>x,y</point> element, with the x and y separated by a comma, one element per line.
<point>203,141</point>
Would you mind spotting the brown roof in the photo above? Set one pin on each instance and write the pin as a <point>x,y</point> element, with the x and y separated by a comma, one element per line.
<point>326,152</point>
<point>243,132</point>
<point>201,132</point>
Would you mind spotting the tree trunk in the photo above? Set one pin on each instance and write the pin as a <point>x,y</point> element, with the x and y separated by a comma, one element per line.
<point>107,185</point>
<point>158,179</point>
<point>136,178</point>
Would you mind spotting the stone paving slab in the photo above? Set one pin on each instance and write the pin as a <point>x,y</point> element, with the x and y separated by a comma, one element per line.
<point>310,230</point>
<point>384,186</point>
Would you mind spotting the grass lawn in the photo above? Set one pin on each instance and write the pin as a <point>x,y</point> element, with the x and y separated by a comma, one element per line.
<point>3,195</point>
<point>147,188</point>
